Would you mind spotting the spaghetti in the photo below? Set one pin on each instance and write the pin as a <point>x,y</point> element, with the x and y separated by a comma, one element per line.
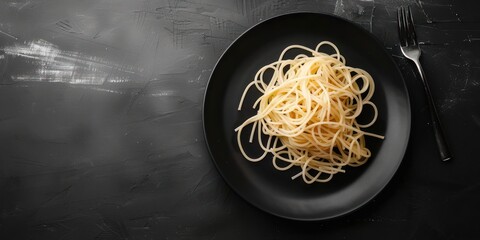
<point>307,113</point>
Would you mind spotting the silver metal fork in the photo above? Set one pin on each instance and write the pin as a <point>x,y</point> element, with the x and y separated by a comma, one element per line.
<point>410,49</point>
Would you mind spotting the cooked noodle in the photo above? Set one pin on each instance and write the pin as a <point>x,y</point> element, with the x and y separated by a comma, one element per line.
<point>307,113</point>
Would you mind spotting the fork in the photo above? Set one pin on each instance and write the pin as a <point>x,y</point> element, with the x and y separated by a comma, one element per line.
<point>410,49</point>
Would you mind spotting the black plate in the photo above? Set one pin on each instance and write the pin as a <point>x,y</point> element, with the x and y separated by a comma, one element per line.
<point>261,184</point>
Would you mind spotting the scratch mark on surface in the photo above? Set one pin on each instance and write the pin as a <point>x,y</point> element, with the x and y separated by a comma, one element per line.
<point>8,35</point>
<point>388,11</point>
<point>421,4</point>
<point>371,18</point>
<point>59,194</point>
<point>141,16</point>
<point>145,179</point>
<point>162,115</point>
<point>450,6</point>
<point>464,68</point>
<point>205,36</point>
<point>471,39</point>
<point>444,21</point>
<point>156,216</point>
<point>108,90</point>
<point>163,93</point>
<point>54,65</point>
<point>451,100</point>
<point>112,229</point>
<point>22,160</point>
<point>156,46</point>
<point>422,9</point>
<point>137,95</point>
<point>18,6</point>
<point>436,4</point>
<point>397,56</point>
<point>427,26</point>
<point>65,26</point>
<point>53,227</point>
<point>467,77</point>
<point>200,181</point>
<point>428,43</point>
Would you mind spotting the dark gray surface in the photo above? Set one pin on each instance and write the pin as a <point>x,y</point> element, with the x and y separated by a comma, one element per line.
<point>101,134</point>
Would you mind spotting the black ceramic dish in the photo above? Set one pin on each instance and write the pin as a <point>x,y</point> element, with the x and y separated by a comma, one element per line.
<point>274,191</point>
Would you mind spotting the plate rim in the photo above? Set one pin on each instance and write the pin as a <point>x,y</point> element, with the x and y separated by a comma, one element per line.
<point>390,58</point>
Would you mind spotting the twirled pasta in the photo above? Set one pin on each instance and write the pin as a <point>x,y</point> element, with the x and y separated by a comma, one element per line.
<point>307,112</point>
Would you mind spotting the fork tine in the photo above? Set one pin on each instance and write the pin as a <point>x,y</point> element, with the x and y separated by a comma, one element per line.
<point>406,27</point>
<point>411,26</point>
<point>401,27</point>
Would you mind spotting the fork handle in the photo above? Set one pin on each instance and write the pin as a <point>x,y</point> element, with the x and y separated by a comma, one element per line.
<point>437,127</point>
